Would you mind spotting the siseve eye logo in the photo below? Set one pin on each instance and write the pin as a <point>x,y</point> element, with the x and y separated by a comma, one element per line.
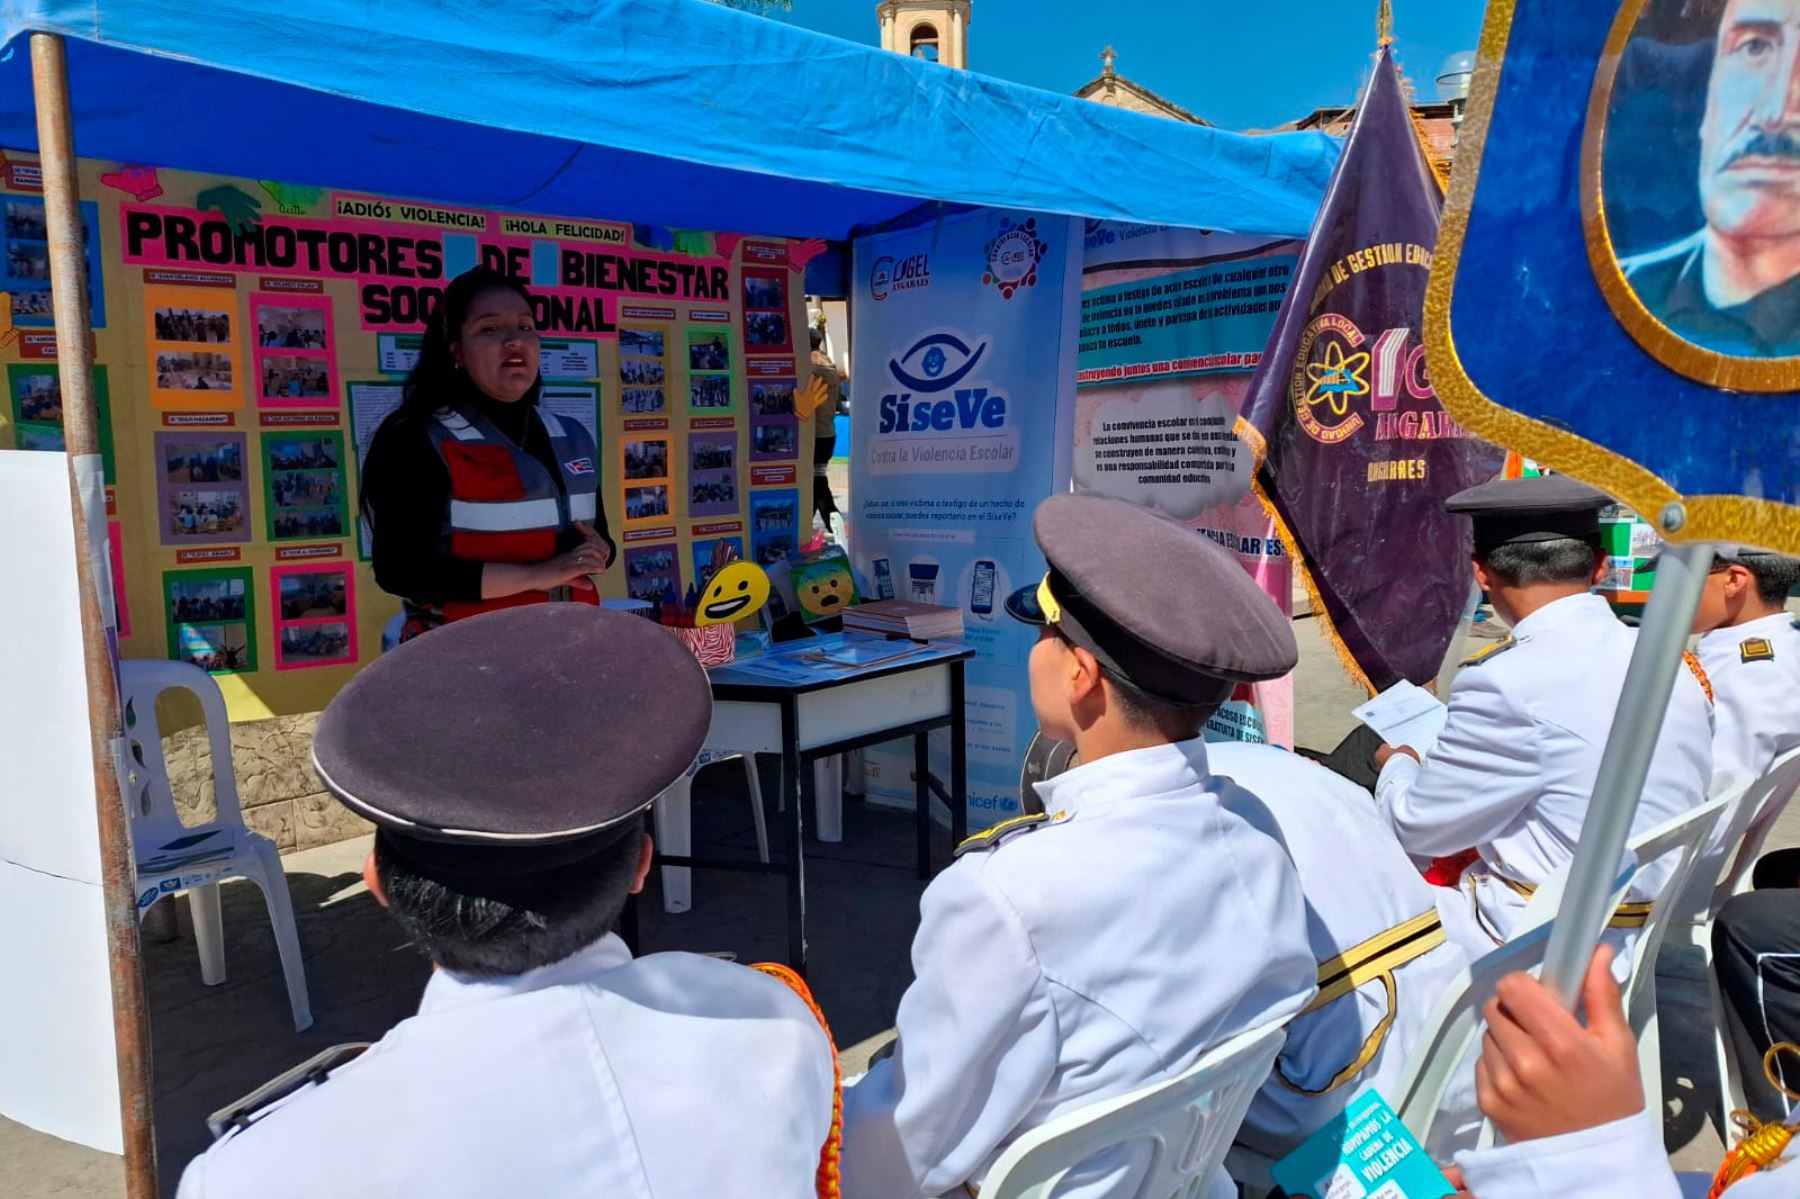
<point>1013,256</point>
<point>942,414</point>
<point>927,366</point>
<point>936,363</point>
<point>907,274</point>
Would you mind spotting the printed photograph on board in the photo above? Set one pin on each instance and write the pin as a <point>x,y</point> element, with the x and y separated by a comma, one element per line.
<point>709,392</point>
<point>647,503</point>
<point>314,593</point>
<point>641,401</point>
<point>193,372</point>
<point>303,482</point>
<point>195,514</point>
<point>211,618</point>
<point>709,349</point>
<point>647,459</point>
<point>291,377</point>
<point>281,328</point>
<point>195,326</point>
<point>651,574</point>
<point>315,644</point>
<point>201,459</point>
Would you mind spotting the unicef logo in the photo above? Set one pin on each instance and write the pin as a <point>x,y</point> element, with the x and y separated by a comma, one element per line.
<point>881,277</point>
<point>1013,257</point>
<point>928,365</point>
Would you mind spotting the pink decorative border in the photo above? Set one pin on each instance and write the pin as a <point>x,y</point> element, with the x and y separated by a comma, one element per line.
<point>326,357</point>
<point>278,623</point>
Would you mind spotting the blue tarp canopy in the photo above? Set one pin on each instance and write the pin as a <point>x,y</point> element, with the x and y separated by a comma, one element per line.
<point>669,112</point>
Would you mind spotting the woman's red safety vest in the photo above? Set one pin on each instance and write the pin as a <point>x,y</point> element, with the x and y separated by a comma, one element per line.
<point>504,506</point>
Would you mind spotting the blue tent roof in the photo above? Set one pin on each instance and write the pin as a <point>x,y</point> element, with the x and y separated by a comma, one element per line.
<point>671,112</point>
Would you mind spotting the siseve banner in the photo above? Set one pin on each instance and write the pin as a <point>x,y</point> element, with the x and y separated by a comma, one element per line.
<point>964,368</point>
<point>1173,323</point>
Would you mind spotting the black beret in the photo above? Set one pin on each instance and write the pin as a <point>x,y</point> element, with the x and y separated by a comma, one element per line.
<point>1541,508</point>
<point>1157,604</point>
<point>518,740</point>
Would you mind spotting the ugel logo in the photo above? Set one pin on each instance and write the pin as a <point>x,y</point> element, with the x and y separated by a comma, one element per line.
<point>909,273</point>
<point>928,367</point>
<point>1013,257</point>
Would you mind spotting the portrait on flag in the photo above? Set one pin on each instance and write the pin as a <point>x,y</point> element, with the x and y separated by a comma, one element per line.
<point>1606,138</point>
<point>1694,209</point>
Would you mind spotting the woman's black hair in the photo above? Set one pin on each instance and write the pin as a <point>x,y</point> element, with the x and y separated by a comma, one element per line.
<point>434,376</point>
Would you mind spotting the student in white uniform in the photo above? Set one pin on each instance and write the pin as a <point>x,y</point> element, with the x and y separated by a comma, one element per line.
<point>1107,942</point>
<point>1511,774</point>
<point>1568,1101</point>
<point>1751,652</point>
<point>544,1060</point>
<point>1377,932</point>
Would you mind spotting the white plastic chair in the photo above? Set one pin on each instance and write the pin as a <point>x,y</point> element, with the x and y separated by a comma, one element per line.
<point>1726,872</point>
<point>1687,836</point>
<point>1444,1049</point>
<point>1724,869</point>
<point>173,857</point>
<point>1189,1121</point>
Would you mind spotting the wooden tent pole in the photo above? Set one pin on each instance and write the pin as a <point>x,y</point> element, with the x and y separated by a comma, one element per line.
<point>81,434</point>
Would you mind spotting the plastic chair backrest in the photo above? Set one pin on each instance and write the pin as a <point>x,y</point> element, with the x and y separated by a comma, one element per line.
<point>1762,804</point>
<point>1189,1122</point>
<point>148,797</point>
<point>1449,1035</point>
<point>1686,835</point>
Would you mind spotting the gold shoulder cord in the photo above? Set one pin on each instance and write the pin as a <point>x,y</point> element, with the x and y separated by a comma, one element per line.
<point>1760,1145</point>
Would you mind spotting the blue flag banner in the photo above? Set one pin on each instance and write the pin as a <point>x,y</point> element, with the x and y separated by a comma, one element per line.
<point>1356,456</point>
<point>1617,292</point>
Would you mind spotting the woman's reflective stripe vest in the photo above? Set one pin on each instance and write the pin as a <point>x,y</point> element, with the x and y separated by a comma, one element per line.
<point>504,506</point>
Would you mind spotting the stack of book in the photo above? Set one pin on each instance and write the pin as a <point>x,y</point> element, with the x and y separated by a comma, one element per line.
<point>903,618</point>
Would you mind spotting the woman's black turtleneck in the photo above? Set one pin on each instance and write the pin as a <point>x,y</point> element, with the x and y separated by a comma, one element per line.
<point>406,487</point>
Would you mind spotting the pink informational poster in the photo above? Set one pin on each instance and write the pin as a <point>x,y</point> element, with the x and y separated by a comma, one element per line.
<point>1173,326</point>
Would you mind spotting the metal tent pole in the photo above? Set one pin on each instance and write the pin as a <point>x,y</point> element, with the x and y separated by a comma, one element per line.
<point>81,433</point>
<point>1625,764</point>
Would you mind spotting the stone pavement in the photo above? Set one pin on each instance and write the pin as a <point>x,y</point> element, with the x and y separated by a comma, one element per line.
<point>213,1045</point>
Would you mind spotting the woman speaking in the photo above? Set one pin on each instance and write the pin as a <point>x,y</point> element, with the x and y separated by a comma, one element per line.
<point>476,498</point>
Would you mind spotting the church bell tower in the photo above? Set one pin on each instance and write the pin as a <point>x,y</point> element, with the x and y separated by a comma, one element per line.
<point>935,30</point>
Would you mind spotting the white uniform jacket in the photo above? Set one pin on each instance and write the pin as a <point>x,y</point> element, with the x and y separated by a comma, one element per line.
<point>1514,768</point>
<point>1755,673</point>
<point>668,1077</point>
<point>1075,960</point>
<point>1359,885</point>
<point>1624,1158</point>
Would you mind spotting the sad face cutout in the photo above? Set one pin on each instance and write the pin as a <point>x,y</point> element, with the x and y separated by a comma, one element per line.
<point>735,592</point>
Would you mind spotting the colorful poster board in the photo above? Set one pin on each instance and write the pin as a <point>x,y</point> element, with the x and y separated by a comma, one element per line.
<point>249,350</point>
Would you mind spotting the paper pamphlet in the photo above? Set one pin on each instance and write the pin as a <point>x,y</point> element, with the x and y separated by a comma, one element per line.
<point>1366,1153</point>
<point>1405,714</point>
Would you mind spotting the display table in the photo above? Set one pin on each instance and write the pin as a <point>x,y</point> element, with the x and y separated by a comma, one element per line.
<point>799,703</point>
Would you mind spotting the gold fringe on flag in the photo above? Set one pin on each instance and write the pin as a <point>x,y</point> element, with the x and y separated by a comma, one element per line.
<point>1247,433</point>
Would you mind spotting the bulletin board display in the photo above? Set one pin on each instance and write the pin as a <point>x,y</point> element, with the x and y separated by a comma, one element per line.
<point>250,337</point>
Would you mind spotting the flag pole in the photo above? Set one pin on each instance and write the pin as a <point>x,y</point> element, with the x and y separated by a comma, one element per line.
<point>1625,764</point>
<point>81,433</point>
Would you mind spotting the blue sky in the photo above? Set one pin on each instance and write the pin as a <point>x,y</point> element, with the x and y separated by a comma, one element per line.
<point>1241,64</point>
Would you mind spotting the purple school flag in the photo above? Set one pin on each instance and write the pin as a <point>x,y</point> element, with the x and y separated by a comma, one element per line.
<point>1355,454</point>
